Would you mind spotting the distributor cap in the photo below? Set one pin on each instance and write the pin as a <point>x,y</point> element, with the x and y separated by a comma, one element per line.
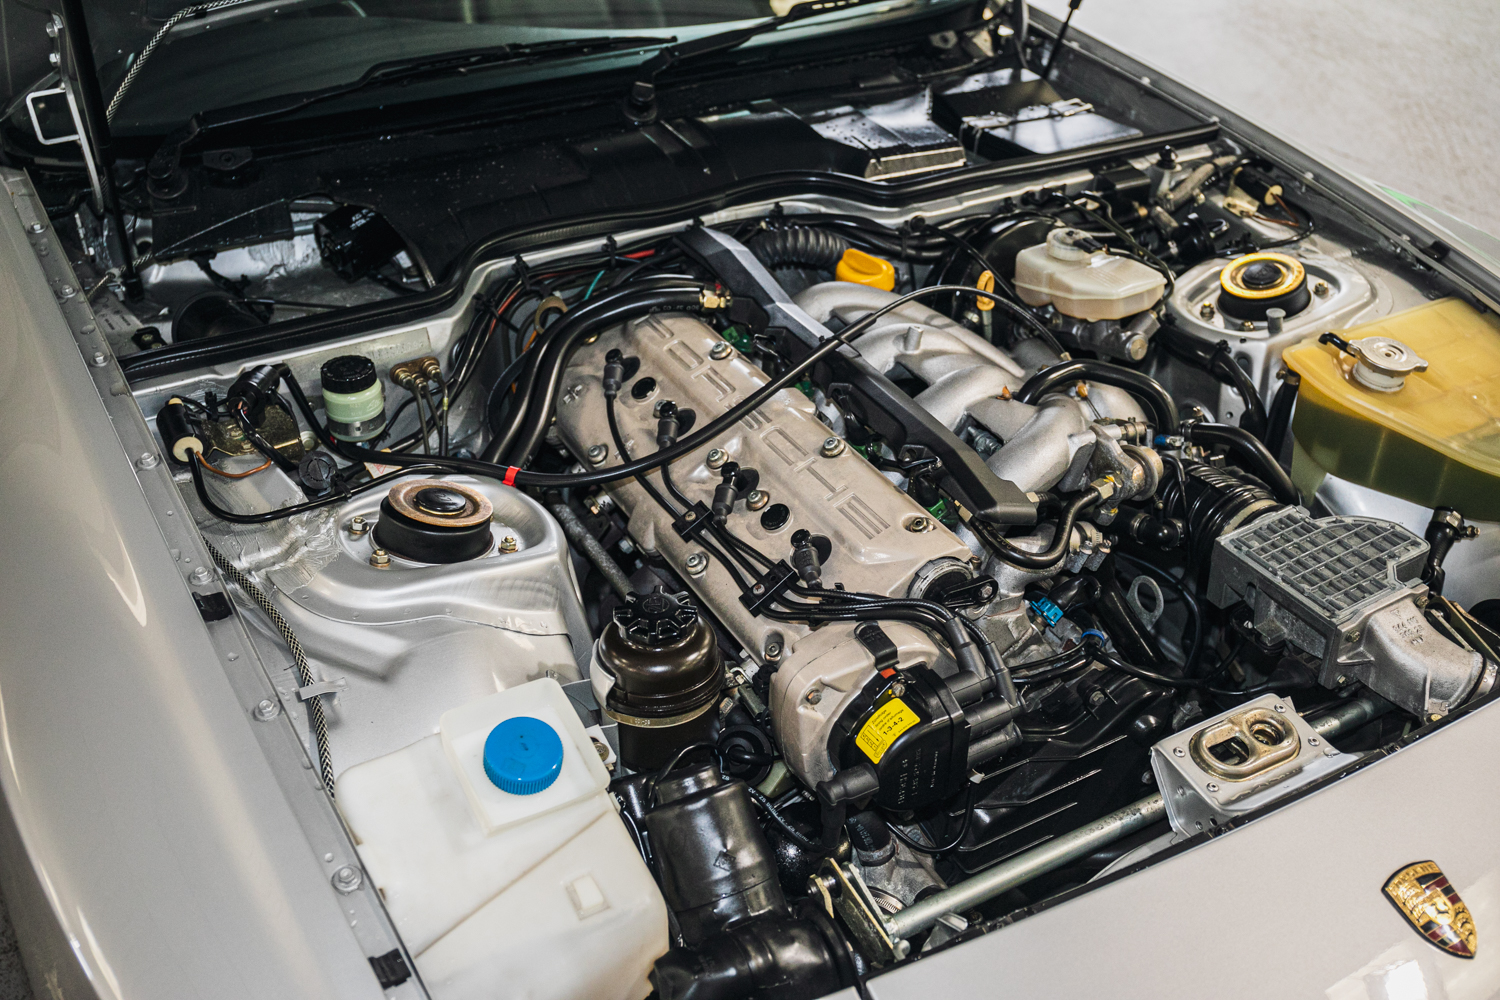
<point>656,619</point>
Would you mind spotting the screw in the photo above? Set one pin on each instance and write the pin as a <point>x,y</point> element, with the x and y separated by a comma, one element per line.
<point>814,696</point>
<point>1179,752</point>
<point>696,564</point>
<point>1281,708</point>
<point>1312,741</point>
<point>598,453</point>
<point>918,524</point>
<point>100,360</point>
<point>267,709</point>
<point>380,559</point>
<point>720,351</point>
<point>600,749</point>
<point>1206,310</point>
<point>1097,698</point>
<point>201,576</point>
<point>1321,289</point>
<point>36,227</point>
<point>67,291</point>
<point>358,525</point>
<point>508,543</point>
<point>1352,635</point>
<point>832,447</point>
<point>347,879</point>
<point>1247,325</point>
<point>717,457</point>
<point>898,689</point>
<point>1213,786</point>
<point>757,499</point>
<point>773,650</point>
<point>1341,679</point>
<point>148,460</point>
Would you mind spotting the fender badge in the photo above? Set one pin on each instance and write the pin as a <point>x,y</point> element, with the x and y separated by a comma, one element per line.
<point>1423,895</point>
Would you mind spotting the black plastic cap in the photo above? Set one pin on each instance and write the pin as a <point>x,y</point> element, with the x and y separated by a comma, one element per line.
<point>656,619</point>
<point>349,373</point>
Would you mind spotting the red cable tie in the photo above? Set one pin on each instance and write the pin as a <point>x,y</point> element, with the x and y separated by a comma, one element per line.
<point>510,475</point>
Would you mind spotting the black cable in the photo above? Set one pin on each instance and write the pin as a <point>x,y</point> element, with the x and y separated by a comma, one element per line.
<point>786,827</point>
<point>265,517</point>
<point>1279,421</point>
<point>1190,654</point>
<point>958,838</point>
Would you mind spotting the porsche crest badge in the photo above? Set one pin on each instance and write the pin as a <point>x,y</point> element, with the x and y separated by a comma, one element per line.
<point>1425,898</point>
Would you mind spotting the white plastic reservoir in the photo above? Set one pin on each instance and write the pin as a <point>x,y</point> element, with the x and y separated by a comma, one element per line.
<point>1084,284</point>
<point>534,892</point>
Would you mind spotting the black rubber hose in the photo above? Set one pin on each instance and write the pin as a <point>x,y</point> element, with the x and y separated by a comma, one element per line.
<point>266,517</point>
<point>1223,366</point>
<point>1130,638</point>
<point>1251,453</point>
<point>1055,552</point>
<point>1280,419</point>
<point>564,338</point>
<point>799,246</point>
<point>1143,387</point>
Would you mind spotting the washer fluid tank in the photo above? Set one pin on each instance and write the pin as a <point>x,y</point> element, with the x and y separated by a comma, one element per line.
<point>501,856</point>
<point>1374,415</point>
<point>1072,273</point>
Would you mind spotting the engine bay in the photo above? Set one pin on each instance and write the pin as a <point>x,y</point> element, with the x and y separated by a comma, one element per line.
<point>746,604</point>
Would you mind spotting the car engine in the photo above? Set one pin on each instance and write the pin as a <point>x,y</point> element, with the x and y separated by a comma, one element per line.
<point>746,605</point>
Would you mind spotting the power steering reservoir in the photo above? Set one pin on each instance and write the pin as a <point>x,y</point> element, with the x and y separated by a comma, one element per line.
<point>1408,405</point>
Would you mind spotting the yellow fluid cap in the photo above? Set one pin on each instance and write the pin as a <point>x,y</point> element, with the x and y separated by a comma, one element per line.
<point>986,283</point>
<point>863,269</point>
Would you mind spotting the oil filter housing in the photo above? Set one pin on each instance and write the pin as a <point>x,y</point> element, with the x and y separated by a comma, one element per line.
<point>658,674</point>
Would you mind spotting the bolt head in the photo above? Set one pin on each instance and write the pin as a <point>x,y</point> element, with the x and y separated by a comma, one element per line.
<point>814,696</point>
<point>1352,635</point>
<point>36,227</point>
<point>773,650</point>
<point>201,576</point>
<point>757,499</point>
<point>1213,786</point>
<point>1281,708</point>
<point>347,879</point>
<point>1206,310</point>
<point>508,544</point>
<point>267,709</point>
<point>898,688</point>
<point>832,447</point>
<point>717,457</point>
<point>380,559</point>
<point>918,524</point>
<point>99,360</point>
<point>1312,741</point>
<point>67,291</point>
<point>149,460</point>
<point>1179,752</point>
<point>598,453</point>
<point>720,351</point>
<point>1246,325</point>
<point>358,525</point>
<point>1097,698</point>
<point>1321,289</point>
<point>697,563</point>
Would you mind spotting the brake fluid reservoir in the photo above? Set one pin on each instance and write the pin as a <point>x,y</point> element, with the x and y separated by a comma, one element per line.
<point>501,857</point>
<point>1413,411</point>
<point>1085,283</point>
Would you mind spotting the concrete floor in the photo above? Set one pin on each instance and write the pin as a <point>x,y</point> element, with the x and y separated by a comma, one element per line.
<point>1405,94</point>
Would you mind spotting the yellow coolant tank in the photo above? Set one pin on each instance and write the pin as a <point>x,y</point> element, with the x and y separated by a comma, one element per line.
<point>1432,437</point>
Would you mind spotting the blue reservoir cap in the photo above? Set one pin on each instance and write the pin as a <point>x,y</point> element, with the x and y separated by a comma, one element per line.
<point>523,755</point>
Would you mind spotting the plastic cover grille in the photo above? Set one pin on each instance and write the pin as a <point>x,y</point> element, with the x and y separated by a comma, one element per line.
<point>1334,563</point>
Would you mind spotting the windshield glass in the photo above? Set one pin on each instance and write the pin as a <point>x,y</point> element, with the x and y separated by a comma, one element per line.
<point>253,49</point>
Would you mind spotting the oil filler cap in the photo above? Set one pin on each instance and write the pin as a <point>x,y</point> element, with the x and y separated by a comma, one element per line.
<point>523,755</point>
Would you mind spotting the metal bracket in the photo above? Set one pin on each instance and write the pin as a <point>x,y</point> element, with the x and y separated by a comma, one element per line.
<point>65,90</point>
<point>844,890</point>
<point>1148,616</point>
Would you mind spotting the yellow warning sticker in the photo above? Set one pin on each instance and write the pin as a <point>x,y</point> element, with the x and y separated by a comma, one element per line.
<point>889,722</point>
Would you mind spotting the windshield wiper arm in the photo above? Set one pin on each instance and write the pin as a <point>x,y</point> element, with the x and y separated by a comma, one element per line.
<point>640,103</point>
<point>164,174</point>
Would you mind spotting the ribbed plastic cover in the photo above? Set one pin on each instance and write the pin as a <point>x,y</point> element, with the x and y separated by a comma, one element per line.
<point>1333,564</point>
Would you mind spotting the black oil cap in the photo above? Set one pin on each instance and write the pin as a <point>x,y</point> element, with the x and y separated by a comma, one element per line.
<point>348,374</point>
<point>656,619</point>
